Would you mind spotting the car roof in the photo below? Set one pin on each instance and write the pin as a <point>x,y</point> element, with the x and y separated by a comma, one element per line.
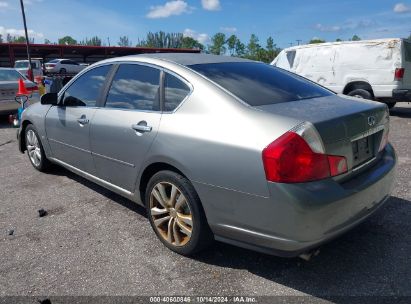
<point>188,58</point>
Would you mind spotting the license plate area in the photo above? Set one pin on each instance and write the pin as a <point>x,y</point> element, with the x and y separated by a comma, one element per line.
<point>363,150</point>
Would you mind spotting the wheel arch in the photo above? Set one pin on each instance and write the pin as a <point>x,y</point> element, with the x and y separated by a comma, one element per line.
<point>358,84</point>
<point>22,138</point>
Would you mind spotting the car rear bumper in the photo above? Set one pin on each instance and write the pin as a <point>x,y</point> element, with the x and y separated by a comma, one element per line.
<point>299,217</point>
<point>401,94</point>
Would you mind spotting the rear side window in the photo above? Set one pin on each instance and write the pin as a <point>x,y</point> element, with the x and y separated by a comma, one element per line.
<point>135,87</point>
<point>260,84</point>
<point>10,75</point>
<point>291,57</point>
<point>175,92</point>
<point>407,47</point>
<point>86,89</point>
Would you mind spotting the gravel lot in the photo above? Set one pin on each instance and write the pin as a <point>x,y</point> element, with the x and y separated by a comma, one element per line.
<point>94,242</point>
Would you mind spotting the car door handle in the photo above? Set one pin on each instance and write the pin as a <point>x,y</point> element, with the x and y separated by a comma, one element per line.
<point>83,121</point>
<point>141,127</point>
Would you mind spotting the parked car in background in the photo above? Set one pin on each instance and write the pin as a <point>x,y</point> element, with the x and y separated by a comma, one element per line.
<point>36,65</point>
<point>64,66</point>
<point>217,147</point>
<point>8,88</point>
<point>371,69</point>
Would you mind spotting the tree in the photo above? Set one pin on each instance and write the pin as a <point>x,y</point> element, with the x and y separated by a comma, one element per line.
<point>46,41</point>
<point>316,40</point>
<point>239,48</point>
<point>217,46</point>
<point>355,38</point>
<point>231,43</point>
<point>270,52</point>
<point>253,48</point>
<point>191,43</point>
<point>1,38</point>
<point>162,40</point>
<point>338,40</point>
<point>67,40</point>
<point>124,41</point>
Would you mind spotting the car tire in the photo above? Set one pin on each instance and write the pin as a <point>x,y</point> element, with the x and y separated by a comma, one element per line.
<point>390,104</point>
<point>35,149</point>
<point>361,93</point>
<point>63,71</point>
<point>176,214</point>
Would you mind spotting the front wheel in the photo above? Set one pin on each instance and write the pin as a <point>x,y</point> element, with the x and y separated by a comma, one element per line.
<point>361,93</point>
<point>35,150</point>
<point>175,213</point>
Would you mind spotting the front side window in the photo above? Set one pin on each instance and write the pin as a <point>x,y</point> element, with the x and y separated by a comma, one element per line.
<point>260,84</point>
<point>175,92</point>
<point>86,89</point>
<point>135,87</point>
<point>407,47</point>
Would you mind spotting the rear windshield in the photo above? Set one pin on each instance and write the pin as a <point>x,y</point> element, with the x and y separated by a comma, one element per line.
<point>54,61</point>
<point>407,47</point>
<point>260,84</point>
<point>10,75</point>
<point>24,64</point>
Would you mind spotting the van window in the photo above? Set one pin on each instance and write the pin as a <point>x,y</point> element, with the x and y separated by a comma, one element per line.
<point>291,57</point>
<point>407,47</point>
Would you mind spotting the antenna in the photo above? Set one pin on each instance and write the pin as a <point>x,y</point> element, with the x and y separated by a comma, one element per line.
<point>298,41</point>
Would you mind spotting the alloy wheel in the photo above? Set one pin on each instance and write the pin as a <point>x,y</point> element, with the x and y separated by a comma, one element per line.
<point>171,214</point>
<point>33,148</point>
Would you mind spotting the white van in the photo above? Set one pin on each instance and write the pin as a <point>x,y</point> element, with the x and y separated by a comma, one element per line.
<point>372,69</point>
<point>23,66</point>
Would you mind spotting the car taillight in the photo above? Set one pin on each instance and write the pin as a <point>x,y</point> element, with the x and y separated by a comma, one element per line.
<point>50,65</point>
<point>291,159</point>
<point>399,74</point>
<point>35,88</point>
<point>30,74</point>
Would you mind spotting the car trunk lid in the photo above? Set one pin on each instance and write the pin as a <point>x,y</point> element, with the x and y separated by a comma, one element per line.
<point>348,127</point>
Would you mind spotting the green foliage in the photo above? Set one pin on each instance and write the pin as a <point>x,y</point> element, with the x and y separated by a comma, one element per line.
<point>124,41</point>
<point>253,48</point>
<point>316,40</point>
<point>217,46</point>
<point>191,43</point>
<point>355,38</point>
<point>162,40</point>
<point>94,41</point>
<point>338,40</point>
<point>67,40</point>
<point>18,39</point>
<point>1,38</point>
<point>46,41</point>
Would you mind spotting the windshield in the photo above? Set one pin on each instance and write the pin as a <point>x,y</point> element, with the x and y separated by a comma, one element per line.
<point>24,64</point>
<point>407,47</point>
<point>260,84</point>
<point>10,75</point>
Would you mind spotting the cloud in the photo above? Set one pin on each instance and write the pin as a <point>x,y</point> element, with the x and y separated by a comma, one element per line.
<point>327,28</point>
<point>15,32</point>
<point>203,38</point>
<point>211,5</point>
<point>170,8</point>
<point>3,5</point>
<point>228,29</point>
<point>401,8</point>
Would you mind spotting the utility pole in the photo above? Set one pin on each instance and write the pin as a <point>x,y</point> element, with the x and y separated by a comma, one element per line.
<point>298,41</point>
<point>291,44</point>
<point>108,40</point>
<point>30,71</point>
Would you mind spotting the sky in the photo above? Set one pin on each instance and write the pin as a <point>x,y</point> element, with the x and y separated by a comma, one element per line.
<point>286,21</point>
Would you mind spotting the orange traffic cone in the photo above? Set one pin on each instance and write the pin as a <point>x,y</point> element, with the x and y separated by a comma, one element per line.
<point>22,89</point>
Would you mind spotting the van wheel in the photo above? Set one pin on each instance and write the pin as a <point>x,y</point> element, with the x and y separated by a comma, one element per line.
<point>390,104</point>
<point>175,213</point>
<point>361,93</point>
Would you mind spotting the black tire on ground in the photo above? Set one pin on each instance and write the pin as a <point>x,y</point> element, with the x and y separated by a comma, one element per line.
<point>43,163</point>
<point>390,104</point>
<point>201,235</point>
<point>63,71</point>
<point>361,93</point>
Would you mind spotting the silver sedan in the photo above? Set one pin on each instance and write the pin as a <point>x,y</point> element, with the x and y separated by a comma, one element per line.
<point>221,148</point>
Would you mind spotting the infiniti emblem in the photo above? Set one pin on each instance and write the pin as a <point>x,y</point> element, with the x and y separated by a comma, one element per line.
<point>371,121</point>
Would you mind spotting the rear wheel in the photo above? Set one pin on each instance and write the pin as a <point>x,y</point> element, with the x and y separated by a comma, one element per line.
<point>175,213</point>
<point>361,93</point>
<point>35,150</point>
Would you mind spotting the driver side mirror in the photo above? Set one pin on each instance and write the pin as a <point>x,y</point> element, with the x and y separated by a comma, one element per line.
<point>49,99</point>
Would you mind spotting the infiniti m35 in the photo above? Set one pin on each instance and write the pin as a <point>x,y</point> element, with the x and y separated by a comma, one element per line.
<point>219,148</point>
